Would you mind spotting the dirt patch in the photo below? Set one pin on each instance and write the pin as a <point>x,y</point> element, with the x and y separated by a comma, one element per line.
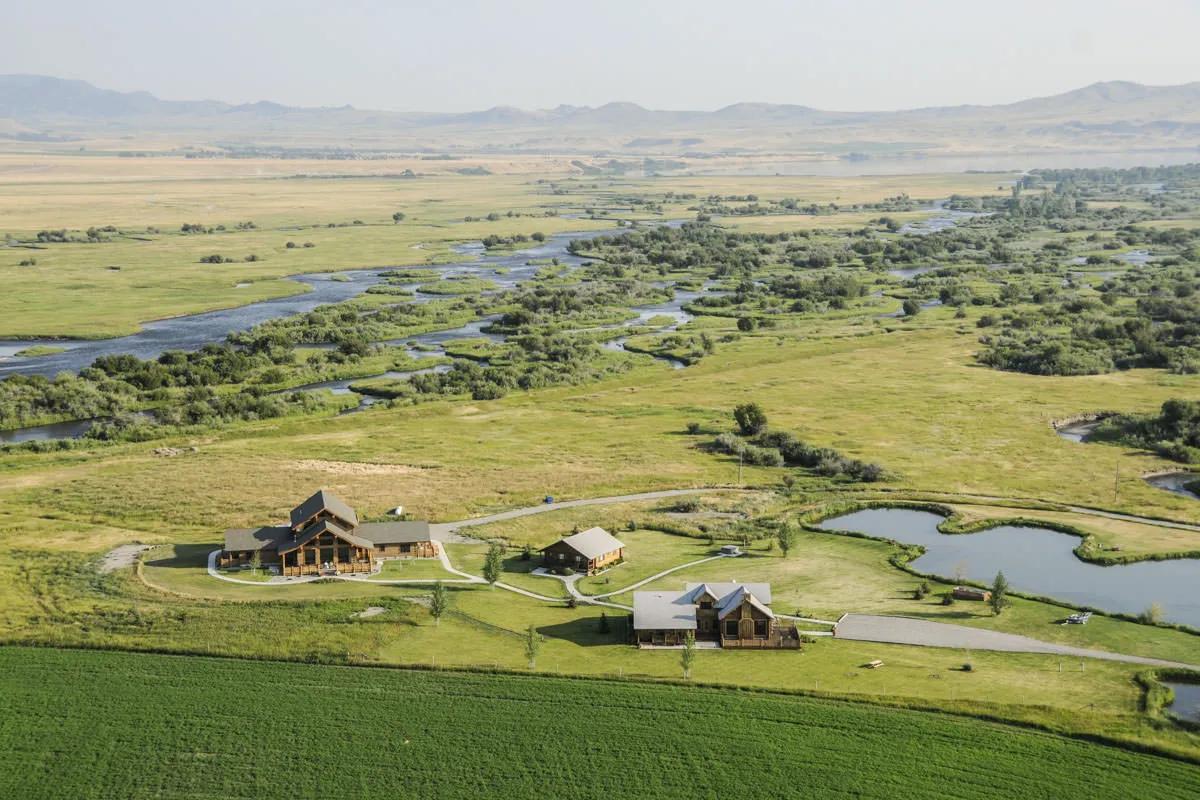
<point>355,467</point>
<point>370,611</point>
<point>120,557</point>
<point>169,452</point>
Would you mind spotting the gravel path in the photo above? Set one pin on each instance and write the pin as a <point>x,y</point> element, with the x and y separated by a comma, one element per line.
<point>922,632</point>
<point>450,527</point>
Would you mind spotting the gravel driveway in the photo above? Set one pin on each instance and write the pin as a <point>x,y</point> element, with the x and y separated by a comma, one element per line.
<point>923,632</point>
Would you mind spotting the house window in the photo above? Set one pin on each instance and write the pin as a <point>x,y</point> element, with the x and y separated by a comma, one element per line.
<point>731,628</point>
<point>760,628</point>
<point>706,604</point>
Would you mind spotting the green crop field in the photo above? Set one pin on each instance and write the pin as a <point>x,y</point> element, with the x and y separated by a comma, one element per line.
<point>93,724</point>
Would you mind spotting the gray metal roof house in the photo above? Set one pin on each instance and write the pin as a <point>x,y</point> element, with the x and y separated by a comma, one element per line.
<point>731,614</point>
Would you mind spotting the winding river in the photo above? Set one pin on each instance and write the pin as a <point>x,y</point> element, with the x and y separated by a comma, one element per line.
<point>1036,561</point>
<point>506,270</point>
<point>193,331</point>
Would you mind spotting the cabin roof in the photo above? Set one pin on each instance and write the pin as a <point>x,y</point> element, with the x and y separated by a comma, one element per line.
<point>721,590</point>
<point>663,611</point>
<point>264,538</point>
<point>324,526</point>
<point>592,543</point>
<point>323,500</point>
<point>677,610</point>
<point>734,601</point>
<point>396,532</point>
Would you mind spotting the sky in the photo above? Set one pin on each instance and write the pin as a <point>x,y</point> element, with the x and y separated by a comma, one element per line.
<point>459,55</point>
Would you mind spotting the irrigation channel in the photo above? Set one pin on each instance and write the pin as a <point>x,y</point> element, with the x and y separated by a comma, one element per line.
<point>507,271</point>
<point>1036,561</point>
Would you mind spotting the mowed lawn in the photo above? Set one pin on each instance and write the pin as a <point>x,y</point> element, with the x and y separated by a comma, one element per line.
<point>95,724</point>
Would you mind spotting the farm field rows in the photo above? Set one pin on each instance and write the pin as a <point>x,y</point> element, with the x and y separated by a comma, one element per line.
<point>169,726</point>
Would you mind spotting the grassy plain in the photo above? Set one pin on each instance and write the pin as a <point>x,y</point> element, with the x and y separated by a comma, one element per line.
<point>165,726</point>
<point>905,393</point>
<point>160,274</point>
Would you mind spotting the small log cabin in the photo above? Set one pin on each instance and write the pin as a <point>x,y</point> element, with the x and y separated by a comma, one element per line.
<point>587,552</point>
<point>324,537</point>
<point>734,615</point>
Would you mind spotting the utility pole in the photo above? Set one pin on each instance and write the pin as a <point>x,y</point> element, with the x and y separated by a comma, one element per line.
<point>1116,484</point>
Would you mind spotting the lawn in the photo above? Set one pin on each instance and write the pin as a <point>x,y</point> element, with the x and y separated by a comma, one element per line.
<point>408,569</point>
<point>646,553</point>
<point>152,726</point>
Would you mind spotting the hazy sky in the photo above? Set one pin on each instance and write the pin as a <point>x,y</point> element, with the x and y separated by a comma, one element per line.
<point>694,54</point>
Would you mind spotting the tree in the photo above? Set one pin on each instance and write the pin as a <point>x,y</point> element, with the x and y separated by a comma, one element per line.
<point>911,307</point>
<point>688,658</point>
<point>786,538</point>
<point>492,563</point>
<point>1152,615</point>
<point>747,324</point>
<point>439,602</point>
<point>751,419</point>
<point>397,217</point>
<point>255,562</point>
<point>999,599</point>
<point>533,645</point>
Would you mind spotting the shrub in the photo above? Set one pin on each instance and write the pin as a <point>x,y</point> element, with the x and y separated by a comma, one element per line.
<point>750,418</point>
<point>693,428</point>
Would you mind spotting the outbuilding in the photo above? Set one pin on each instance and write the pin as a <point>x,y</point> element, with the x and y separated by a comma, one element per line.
<point>588,552</point>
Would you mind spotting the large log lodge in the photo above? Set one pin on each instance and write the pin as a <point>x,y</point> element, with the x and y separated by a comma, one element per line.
<point>324,537</point>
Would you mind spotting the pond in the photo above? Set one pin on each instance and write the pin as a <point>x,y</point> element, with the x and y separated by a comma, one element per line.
<point>1187,700</point>
<point>73,429</point>
<point>1036,561</point>
<point>1176,483</point>
<point>1077,431</point>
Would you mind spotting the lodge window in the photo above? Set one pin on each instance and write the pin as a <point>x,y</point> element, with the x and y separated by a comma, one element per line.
<point>731,628</point>
<point>706,604</point>
<point>760,628</point>
<point>406,548</point>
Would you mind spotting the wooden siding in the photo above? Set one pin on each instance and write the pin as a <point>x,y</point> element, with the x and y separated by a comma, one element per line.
<point>561,554</point>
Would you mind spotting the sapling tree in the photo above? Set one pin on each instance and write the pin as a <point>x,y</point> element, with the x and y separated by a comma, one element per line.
<point>999,599</point>
<point>688,657</point>
<point>533,645</point>
<point>492,563</point>
<point>785,537</point>
<point>439,602</point>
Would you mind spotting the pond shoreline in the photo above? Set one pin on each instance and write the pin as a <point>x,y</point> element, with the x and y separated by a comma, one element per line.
<point>909,553</point>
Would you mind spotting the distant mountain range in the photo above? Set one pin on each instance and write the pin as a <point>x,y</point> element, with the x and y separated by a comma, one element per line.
<point>1110,115</point>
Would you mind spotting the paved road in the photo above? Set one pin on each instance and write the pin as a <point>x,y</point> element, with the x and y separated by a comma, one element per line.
<point>449,527</point>
<point>906,630</point>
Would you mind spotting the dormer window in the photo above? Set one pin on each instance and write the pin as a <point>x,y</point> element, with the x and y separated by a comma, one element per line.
<point>706,604</point>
